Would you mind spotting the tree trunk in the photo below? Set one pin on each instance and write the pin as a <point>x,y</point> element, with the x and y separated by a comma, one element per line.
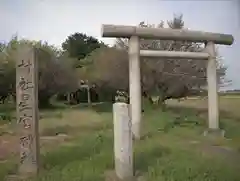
<point>161,102</point>
<point>89,96</point>
<point>44,101</point>
<point>69,98</point>
<point>146,95</point>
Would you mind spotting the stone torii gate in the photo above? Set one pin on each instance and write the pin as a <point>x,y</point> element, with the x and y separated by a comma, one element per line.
<point>135,33</point>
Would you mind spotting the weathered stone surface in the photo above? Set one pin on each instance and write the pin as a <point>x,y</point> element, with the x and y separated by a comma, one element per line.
<point>214,132</point>
<point>111,176</point>
<point>122,141</point>
<point>27,109</point>
<point>135,109</point>
<point>121,31</point>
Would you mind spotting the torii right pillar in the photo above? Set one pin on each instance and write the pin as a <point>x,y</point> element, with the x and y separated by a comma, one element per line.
<point>213,103</point>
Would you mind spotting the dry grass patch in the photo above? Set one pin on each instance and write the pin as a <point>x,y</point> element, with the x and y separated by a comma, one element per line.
<point>72,117</point>
<point>70,121</point>
<point>228,105</point>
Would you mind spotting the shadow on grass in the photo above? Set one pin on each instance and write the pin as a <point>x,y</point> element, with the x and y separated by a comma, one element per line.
<point>148,157</point>
<point>200,111</point>
<point>67,129</point>
<point>7,168</point>
<point>6,113</point>
<point>105,107</point>
<point>7,107</point>
<point>173,117</point>
<point>98,107</point>
<point>199,117</point>
<point>187,110</point>
<point>84,150</point>
<point>55,106</point>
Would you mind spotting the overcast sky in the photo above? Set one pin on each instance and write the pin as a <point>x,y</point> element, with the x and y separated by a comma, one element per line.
<point>54,20</point>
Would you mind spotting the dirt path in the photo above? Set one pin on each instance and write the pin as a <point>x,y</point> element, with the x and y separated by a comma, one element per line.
<point>227,153</point>
<point>8,146</point>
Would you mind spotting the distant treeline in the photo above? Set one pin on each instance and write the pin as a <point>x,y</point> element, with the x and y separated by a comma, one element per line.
<point>230,92</point>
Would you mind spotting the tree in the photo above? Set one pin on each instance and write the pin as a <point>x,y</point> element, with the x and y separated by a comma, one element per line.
<point>107,68</point>
<point>79,45</point>
<point>55,75</point>
<point>170,78</point>
<point>7,68</point>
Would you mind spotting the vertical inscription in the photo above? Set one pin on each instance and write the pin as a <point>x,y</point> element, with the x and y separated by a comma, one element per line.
<point>27,109</point>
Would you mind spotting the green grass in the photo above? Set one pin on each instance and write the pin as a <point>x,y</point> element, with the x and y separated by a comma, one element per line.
<point>166,152</point>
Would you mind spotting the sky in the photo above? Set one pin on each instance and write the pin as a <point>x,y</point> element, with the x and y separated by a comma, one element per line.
<point>54,20</point>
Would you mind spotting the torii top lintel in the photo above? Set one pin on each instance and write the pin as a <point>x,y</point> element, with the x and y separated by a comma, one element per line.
<point>121,31</point>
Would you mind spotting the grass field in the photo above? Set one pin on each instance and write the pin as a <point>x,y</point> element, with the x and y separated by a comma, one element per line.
<point>77,143</point>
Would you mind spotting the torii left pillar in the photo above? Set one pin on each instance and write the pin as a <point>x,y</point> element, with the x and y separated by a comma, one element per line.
<point>135,85</point>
